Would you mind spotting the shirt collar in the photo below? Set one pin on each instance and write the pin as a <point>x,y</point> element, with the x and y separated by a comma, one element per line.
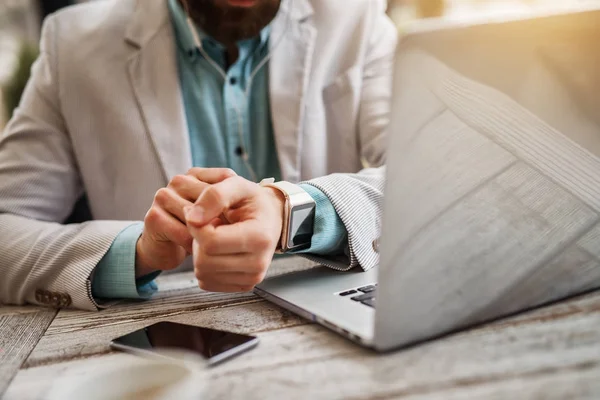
<point>185,39</point>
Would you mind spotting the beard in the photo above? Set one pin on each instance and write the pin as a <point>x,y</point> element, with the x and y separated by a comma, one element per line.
<point>229,24</point>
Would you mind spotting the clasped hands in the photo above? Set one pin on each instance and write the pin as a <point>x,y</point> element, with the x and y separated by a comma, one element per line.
<point>230,225</point>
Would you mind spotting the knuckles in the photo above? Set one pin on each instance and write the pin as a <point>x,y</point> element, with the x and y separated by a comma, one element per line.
<point>152,217</point>
<point>214,195</point>
<point>255,273</point>
<point>255,279</point>
<point>228,173</point>
<point>222,173</point>
<point>203,285</point>
<point>210,245</point>
<point>162,196</point>
<point>178,181</point>
<point>261,241</point>
<point>259,267</point>
<point>202,275</point>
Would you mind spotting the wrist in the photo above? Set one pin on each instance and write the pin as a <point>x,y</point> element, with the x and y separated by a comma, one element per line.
<point>279,201</point>
<point>297,216</point>
<point>143,266</point>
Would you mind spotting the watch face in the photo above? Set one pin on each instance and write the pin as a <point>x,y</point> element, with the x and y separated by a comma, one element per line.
<point>301,225</point>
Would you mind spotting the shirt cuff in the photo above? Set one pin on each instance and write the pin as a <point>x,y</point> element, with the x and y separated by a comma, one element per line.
<point>329,233</point>
<point>114,276</point>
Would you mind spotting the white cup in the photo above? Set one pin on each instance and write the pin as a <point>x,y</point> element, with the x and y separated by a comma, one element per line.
<point>170,375</point>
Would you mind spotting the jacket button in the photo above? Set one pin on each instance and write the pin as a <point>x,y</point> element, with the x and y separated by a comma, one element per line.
<point>65,300</point>
<point>376,245</point>
<point>54,299</point>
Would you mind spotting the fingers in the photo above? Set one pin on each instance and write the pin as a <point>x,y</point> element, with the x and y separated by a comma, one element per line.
<point>191,185</point>
<point>218,198</point>
<point>229,273</point>
<point>166,238</point>
<point>232,250</point>
<point>171,202</point>
<point>167,228</point>
<point>187,186</point>
<point>237,238</point>
<point>211,175</point>
<point>244,264</point>
<point>183,190</point>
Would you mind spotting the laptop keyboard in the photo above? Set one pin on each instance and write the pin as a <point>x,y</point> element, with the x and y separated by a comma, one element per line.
<point>364,295</point>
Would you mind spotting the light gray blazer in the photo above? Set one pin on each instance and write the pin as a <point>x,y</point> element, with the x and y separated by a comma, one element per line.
<point>103,114</point>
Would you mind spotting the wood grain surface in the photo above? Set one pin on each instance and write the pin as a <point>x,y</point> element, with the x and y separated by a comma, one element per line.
<point>20,330</point>
<point>549,353</point>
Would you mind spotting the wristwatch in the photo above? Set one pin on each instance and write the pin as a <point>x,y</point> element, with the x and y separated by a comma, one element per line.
<point>298,216</point>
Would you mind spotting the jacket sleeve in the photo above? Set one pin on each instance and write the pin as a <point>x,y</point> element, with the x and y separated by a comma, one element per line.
<point>42,261</point>
<point>358,198</point>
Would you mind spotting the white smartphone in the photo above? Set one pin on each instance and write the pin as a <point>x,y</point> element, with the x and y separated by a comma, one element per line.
<point>214,345</point>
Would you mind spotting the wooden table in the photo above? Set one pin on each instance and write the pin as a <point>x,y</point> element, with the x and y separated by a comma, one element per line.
<point>549,353</point>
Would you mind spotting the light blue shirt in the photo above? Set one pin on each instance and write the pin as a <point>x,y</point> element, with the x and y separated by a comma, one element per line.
<point>210,101</point>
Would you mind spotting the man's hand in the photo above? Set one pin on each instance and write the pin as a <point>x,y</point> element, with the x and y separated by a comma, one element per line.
<point>236,225</point>
<point>166,241</point>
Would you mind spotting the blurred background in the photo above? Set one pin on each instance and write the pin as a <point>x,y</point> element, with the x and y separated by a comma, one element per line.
<point>407,11</point>
<point>20,22</point>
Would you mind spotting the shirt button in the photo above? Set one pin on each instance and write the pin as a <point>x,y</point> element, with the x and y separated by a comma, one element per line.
<point>239,151</point>
<point>232,80</point>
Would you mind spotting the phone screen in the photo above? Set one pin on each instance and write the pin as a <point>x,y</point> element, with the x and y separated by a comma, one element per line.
<point>214,345</point>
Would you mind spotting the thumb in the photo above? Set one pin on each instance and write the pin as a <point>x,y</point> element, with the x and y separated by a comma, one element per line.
<point>218,198</point>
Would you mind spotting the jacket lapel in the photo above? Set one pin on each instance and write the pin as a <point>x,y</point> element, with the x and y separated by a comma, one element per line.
<point>292,43</point>
<point>154,77</point>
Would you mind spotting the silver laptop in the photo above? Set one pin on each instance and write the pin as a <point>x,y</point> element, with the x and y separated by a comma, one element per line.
<point>492,199</point>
